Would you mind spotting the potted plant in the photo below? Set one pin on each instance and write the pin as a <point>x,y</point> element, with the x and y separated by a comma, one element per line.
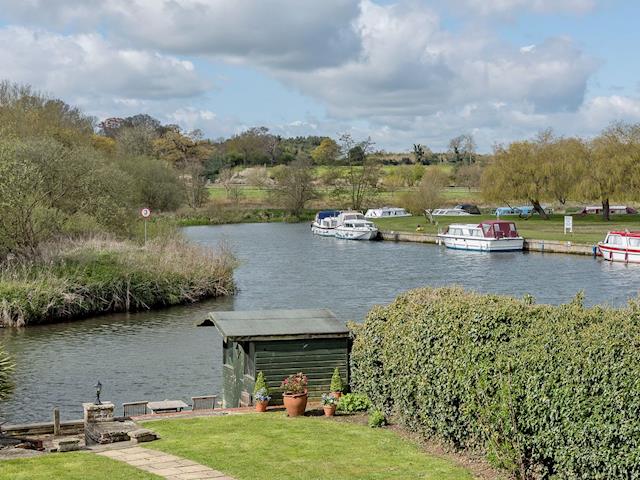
<point>336,384</point>
<point>329,404</point>
<point>261,393</point>
<point>294,395</point>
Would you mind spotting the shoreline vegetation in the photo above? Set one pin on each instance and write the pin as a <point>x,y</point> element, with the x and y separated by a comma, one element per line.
<point>74,279</point>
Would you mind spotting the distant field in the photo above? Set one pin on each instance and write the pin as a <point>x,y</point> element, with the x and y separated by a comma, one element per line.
<point>587,229</point>
<point>254,195</point>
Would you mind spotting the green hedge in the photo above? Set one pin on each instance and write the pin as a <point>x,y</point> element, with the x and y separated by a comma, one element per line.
<point>545,391</point>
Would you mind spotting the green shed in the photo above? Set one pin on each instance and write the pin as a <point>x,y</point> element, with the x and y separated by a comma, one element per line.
<point>279,343</point>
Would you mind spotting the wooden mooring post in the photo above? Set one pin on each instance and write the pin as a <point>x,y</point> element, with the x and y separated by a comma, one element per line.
<point>56,421</point>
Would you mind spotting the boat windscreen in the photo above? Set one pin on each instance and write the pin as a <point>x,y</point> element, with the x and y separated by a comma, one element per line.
<point>327,214</point>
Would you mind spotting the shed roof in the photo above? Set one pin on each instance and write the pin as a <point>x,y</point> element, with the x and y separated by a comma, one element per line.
<point>266,324</point>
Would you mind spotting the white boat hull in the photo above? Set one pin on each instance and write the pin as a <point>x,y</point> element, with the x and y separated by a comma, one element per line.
<point>323,231</point>
<point>483,244</point>
<point>354,234</point>
<point>617,254</point>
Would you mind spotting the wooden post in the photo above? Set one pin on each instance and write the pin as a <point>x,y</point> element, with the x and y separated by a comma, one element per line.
<point>56,421</point>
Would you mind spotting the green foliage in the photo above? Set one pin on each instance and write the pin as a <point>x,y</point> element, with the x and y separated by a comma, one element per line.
<point>261,384</point>
<point>336,381</point>
<point>544,390</point>
<point>354,402</point>
<point>377,419</point>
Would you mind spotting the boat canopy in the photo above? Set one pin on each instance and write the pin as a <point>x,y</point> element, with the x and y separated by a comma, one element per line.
<point>499,229</point>
<point>327,214</point>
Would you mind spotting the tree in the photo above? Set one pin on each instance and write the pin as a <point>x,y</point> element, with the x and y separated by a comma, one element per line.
<point>253,144</point>
<point>326,153</point>
<point>194,182</point>
<point>610,162</point>
<point>225,178</point>
<point>469,176</point>
<point>363,172</point>
<point>136,140</point>
<point>516,173</point>
<point>156,184</point>
<point>294,185</point>
<point>462,149</point>
<point>562,159</point>
<point>418,152</point>
<point>428,195</point>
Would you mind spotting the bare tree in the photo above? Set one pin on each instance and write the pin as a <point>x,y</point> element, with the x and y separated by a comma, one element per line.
<point>294,185</point>
<point>363,173</point>
<point>462,149</point>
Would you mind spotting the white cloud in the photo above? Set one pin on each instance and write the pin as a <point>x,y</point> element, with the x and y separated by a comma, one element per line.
<point>508,7</point>
<point>86,65</point>
<point>391,71</point>
<point>277,33</point>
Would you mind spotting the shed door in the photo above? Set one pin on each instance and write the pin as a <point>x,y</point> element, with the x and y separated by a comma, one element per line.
<point>233,373</point>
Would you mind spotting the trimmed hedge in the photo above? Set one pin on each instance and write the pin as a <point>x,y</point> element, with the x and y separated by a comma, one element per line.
<point>546,391</point>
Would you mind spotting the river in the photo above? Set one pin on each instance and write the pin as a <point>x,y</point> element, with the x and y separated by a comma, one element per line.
<point>163,355</point>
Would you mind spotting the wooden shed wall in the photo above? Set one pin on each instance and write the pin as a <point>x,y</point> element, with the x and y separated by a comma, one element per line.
<point>316,358</point>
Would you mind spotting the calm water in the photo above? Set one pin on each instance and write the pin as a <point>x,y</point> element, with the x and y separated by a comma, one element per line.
<point>162,354</point>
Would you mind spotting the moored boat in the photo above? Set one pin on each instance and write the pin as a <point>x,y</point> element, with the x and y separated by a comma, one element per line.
<point>386,212</point>
<point>354,226</point>
<point>621,247</point>
<point>488,236</point>
<point>325,223</point>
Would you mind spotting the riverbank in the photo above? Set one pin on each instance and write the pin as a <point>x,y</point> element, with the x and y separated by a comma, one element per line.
<point>531,245</point>
<point>76,279</point>
<point>587,229</point>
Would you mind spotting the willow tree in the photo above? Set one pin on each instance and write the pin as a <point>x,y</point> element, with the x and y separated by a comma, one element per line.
<point>516,173</point>
<point>563,159</point>
<point>607,170</point>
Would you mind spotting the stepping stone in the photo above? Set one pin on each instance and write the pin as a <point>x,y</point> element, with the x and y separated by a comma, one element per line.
<point>142,435</point>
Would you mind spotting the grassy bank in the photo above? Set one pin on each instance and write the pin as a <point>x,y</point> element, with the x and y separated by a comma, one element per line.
<point>215,214</point>
<point>250,447</point>
<point>587,229</point>
<point>81,278</point>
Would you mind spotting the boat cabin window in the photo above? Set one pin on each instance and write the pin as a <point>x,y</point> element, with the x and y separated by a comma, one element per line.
<point>615,240</point>
<point>634,242</point>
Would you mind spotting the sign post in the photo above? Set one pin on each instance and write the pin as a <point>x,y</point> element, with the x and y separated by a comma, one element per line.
<point>146,213</point>
<point>568,224</point>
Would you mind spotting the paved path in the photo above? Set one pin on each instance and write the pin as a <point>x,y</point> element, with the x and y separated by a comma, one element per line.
<point>163,464</point>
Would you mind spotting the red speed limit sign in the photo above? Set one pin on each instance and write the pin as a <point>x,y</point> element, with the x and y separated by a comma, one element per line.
<point>145,212</point>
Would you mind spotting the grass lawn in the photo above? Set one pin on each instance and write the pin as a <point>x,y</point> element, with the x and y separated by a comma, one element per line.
<point>587,229</point>
<point>266,446</point>
<point>70,466</point>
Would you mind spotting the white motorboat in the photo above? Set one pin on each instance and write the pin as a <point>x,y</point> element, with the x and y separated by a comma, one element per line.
<point>621,247</point>
<point>447,212</point>
<point>325,223</point>
<point>489,236</point>
<point>386,212</point>
<point>354,226</point>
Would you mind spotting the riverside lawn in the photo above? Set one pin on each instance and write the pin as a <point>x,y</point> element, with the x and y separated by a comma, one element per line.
<point>270,445</point>
<point>258,446</point>
<point>587,229</point>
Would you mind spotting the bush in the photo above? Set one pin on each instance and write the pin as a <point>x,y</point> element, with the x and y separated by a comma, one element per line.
<point>354,402</point>
<point>543,390</point>
<point>6,369</point>
<point>377,419</point>
<point>336,381</point>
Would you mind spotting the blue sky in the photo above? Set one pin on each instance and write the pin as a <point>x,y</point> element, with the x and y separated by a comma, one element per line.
<point>400,71</point>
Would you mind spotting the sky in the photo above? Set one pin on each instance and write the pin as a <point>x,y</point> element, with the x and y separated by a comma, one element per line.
<point>398,71</point>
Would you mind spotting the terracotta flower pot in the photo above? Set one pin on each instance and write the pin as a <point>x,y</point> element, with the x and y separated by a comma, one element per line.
<point>261,406</point>
<point>295,403</point>
<point>329,410</point>
<point>336,394</point>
